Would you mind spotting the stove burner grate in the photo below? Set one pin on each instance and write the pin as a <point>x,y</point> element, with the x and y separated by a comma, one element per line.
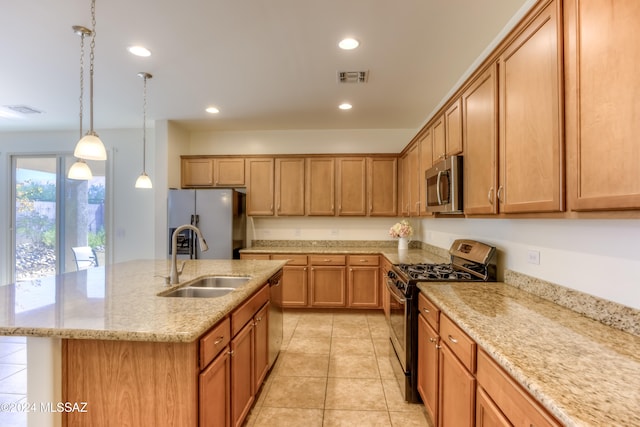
<point>434,272</point>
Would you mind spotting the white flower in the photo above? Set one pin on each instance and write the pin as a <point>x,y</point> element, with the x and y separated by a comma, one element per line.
<point>401,229</point>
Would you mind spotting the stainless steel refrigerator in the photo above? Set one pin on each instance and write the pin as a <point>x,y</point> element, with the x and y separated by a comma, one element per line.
<point>218,213</point>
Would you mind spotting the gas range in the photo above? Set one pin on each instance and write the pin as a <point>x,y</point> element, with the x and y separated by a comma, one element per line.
<point>471,261</point>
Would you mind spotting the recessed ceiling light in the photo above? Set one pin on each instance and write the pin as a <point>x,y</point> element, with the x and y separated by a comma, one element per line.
<point>212,110</point>
<point>345,106</point>
<point>348,44</point>
<point>139,51</point>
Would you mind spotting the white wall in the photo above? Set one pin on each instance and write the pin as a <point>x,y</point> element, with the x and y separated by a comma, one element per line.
<point>131,216</point>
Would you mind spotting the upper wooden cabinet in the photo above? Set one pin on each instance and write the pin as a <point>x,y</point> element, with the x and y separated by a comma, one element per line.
<point>260,186</point>
<point>425,148</point>
<point>289,181</point>
<point>320,186</point>
<point>602,103</point>
<point>228,172</point>
<point>439,139</point>
<point>212,172</point>
<point>480,134</point>
<point>453,128</point>
<point>196,172</point>
<point>352,186</point>
<point>531,116</point>
<point>382,186</point>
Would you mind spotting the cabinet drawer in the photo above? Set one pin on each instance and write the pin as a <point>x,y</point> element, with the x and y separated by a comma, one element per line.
<point>516,404</point>
<point>459,342</point>
<point>430,312</point>
<point>293,259</point>
<point>214,341</point>
<point>372,260</point>
<point>245,312</point>
<point>327,260</point>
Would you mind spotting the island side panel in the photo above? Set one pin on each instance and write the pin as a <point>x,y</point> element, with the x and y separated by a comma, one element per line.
<point>130,383</point>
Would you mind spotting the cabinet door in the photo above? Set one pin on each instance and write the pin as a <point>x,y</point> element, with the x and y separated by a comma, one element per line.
<point>328,286</point>
<point>428,345</point>
<point>453,128</point>
<point>290,186</point>
<point>439,140</point>
<point>531,131</point>
<point>352,186</point>
<point>261,347</point>
<point>364,287</point>
<point>228,172</point>
<point>242,374</point>
<point>426,161</point>
<point>382,186</point>
<point>197,172</point>
<point>215,392</point>
<point>414,180</point>
<point>487,413</point>
<point>403,182</point>
<point>259,187</point>
<point>294,286</point>
<point>480,133</point>
<point>457,391</point>
<point>602,104</point>
<point>320,186</point>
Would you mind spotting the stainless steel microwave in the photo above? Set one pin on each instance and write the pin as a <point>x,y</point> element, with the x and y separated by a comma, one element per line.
<point>444,186</point>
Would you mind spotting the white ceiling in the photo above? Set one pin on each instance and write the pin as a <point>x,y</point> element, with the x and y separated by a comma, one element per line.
<point>266,64</point>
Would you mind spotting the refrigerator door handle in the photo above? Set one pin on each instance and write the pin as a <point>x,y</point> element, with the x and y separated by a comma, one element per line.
<point>197,220</point>
<point>193,217</point>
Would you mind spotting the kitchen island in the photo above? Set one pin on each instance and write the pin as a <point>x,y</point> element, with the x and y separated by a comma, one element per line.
<point>117,309</point>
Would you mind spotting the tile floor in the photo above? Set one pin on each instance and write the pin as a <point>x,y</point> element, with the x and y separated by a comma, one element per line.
<point>334,370</point>
<point>13,379</point>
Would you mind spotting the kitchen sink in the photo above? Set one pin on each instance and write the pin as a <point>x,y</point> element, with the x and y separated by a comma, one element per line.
<point>219,282</point>
<point>191,292</point>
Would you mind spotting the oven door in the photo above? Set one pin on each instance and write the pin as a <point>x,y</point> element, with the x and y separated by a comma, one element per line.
<point>398,327</point>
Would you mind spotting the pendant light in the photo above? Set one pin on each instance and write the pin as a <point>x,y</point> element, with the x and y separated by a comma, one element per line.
<point>90,147</point>
<point>143,180</point>
<point>80,170</point>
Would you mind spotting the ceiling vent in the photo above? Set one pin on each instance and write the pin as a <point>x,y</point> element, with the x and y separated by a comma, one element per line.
<point>353,76</point>
<point>23,109</point>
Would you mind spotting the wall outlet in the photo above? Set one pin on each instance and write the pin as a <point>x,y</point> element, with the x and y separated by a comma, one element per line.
<point>533,257</point>
<point>296,232</point>
<point>334,232</point>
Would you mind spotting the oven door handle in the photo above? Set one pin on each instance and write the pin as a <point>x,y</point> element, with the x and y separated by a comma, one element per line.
<point>395,293</point>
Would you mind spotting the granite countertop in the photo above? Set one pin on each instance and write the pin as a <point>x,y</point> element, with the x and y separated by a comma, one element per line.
<point>121,302</point>
<point>582,371</point>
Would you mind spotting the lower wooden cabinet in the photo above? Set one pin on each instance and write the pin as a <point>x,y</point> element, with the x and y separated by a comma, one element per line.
<point>487,413</point>
<point>457,387</point>
<point>242,372</point>
<point>294,280</point>
<point>328,286</point>
<point>363,281</point>
<point>215,392</point>
<point>428,355</point>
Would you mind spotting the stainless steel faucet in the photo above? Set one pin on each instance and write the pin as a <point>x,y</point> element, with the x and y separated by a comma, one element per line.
<point>174,277</point>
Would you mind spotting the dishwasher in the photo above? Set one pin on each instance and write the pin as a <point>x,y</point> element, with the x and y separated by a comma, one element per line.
<point>275,317</point>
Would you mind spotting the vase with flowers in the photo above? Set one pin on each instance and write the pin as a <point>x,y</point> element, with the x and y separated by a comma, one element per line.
<point>402,231</point>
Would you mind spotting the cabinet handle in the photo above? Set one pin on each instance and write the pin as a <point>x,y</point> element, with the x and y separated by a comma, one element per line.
<point>499,194</point>
<point>438,347</point>
<point>426,310</point>
<point>364,260</point>
<point>490,196</point>
<point>231,353</point>
<point>452,339</point>
<point>326,260</point>
<point>218,340</point>
<point>431,339</point>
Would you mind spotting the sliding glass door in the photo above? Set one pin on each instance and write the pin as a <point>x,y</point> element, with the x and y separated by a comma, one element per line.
<point>53,214</point>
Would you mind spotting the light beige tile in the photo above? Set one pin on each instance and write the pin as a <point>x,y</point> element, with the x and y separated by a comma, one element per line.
<point>385,368</point>
<point>382,346</point>
<point>394,398</point>
<point>343,418</point>
<point>312,345</point>
<point>296,392</point>
<point>410,419</point>
<point>352,346</point>
<point>303,365</point>
<point>355,394</point>
<point>314,329</point>
<point>351,330</point>
<point>353,366</point>
<point>289,417</point>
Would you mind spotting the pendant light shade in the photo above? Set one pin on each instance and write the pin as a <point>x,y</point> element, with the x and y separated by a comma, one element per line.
<point>80,170</point>
<point>143,180</point>
<point>90,146</point>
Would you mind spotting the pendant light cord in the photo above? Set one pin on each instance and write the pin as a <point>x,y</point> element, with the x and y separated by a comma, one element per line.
<point>144,127</point>
<point>81,79</point>
<point>91,58</point>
